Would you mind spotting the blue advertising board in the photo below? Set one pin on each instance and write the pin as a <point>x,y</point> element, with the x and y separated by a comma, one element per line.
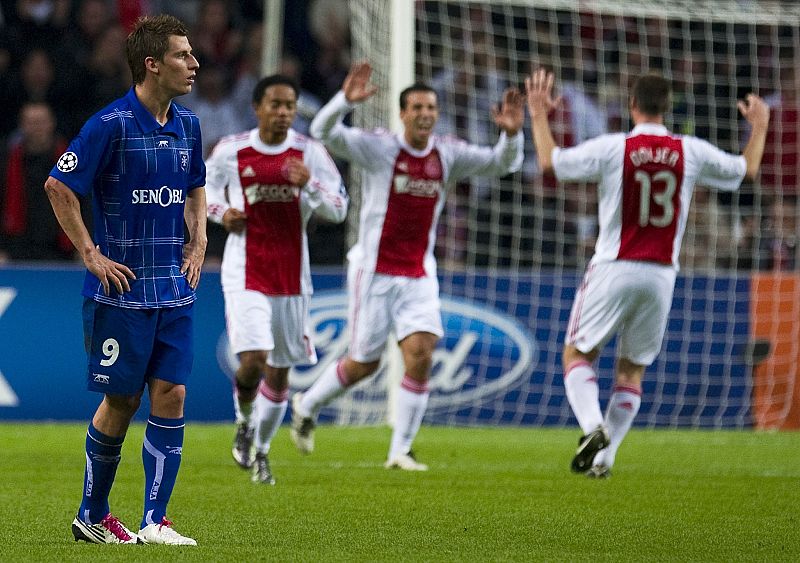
<point>499,362</point>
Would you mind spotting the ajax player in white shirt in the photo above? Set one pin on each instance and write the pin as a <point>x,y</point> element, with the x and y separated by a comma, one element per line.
<point>645,182</point>
<point>275,179</point>
<point>391,276</point>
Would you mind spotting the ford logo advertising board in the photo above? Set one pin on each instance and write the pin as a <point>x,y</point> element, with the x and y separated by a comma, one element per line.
<point>483,354</point>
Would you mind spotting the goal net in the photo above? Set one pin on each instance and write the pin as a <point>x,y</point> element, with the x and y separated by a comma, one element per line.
<point>512,250</point>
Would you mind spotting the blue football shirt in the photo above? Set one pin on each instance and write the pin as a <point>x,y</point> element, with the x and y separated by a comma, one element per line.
<point>139,174</point>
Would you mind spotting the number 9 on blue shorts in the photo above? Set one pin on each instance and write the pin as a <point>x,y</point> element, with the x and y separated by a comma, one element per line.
<point>126,347</point>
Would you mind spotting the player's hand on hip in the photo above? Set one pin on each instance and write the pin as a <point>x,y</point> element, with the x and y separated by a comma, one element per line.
<point>296,172</point>
<point>194,253</point>
<point>356,86</point>
<point>108,272</point>
<point>539,92</point>
<point>511,113</point>
<point>234,221</point>
<point>755,110</point>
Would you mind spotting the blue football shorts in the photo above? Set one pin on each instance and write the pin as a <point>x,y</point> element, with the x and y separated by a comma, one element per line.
<point>126,347</point>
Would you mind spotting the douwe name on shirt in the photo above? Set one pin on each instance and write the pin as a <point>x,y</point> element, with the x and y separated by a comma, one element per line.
<point>662,155</point>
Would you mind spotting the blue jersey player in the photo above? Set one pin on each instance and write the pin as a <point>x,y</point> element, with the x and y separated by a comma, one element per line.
<point>140,158</point>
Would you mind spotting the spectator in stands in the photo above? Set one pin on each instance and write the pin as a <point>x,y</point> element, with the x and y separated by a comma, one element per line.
<point>779,240</point>
<point>707,233</point>
<point>250,73</point>
<point>568,213</point>
<point>36,82</point>
<point>748,241</point>
<point>7,118</point>
<point>30,230</point>
<point>128,11</point>
<point>781,168</point>
<point>93,18</point>
<point>108,69</point>
<point>329,22</point>
<point>307,103</point>
<point>467,91</point>
<point>690,113</point>
<point>217,40</point>
<point>37,24</point>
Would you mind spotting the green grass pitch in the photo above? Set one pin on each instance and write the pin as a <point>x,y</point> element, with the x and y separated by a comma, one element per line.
<point>492,494</point>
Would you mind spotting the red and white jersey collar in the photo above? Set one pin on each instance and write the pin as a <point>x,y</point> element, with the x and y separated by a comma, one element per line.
<point>401,138</point>
<point>649,129</point>
<point>264,148</point>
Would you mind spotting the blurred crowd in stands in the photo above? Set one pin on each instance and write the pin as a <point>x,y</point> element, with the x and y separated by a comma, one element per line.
<point>62,60</point>
<point>595,58</point>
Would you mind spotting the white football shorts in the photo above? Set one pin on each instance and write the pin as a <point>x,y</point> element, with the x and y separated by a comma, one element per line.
<point>277,324</point>
<point>629,299</point>
<point>377,304</point>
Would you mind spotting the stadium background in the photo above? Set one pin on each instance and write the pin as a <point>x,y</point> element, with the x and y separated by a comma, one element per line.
<point>511,251</point>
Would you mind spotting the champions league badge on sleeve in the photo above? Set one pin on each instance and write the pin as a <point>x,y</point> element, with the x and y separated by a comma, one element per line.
<point>67,162</point>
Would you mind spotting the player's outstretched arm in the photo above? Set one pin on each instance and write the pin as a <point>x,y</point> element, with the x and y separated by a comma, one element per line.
<point>328,125</point>
<point>357,86</point>
<point>194,251</point>
<point>511,114</point>
<point>539,92</point>
<point>68,212</point>
<point>756,111</point>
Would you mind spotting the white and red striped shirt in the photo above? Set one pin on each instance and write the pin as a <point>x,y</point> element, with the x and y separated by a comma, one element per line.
<point>646,180</point>
<point>271,254</point>
<point>403,189</point>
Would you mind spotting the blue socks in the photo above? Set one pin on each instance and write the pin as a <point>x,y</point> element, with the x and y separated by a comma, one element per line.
<point>161,456</point>
<point>102,459</point>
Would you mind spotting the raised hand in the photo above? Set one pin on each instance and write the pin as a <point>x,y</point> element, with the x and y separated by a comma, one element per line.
<point>539,90</point>
<point>356,86</point>
<point>755,110</point>
<point>511,114</point>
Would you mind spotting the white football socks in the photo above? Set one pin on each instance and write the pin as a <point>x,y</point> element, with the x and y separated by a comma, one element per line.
<point>412,399</point>
<point>242,409</point>
<point>583,395</point>
<point>622,409</point>
<point>331,384</point>
<point>270,408</point>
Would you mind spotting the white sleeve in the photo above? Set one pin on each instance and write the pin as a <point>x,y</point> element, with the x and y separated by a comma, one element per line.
<point>349,143</point>
<point>324,192</point>
<point>216,182</point>
<point>584,162</point>
<point>503,158</point>
<point>718,169</point>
